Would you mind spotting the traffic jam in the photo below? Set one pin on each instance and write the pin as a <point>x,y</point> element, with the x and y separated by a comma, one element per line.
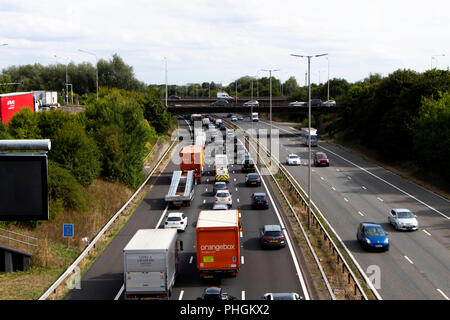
<point>151,257</point>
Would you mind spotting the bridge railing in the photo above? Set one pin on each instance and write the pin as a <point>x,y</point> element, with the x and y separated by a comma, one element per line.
<point>17,241</point>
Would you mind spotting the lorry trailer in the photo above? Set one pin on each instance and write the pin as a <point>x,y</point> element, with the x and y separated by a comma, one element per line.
<point>150,262</point>
<point>12,103</point>
<point>192,159</point>
<point>181,190</point>
<point>217,243</point>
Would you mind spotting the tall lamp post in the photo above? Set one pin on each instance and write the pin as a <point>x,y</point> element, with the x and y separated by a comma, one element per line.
<point>270,94</point>
<point>434,57</point>
<point>165,66</point>
<point>309,130</point>
<point>96,67</point>
<point>66,83</point>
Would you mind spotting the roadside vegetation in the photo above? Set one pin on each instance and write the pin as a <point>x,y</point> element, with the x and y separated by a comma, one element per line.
<point>94,166</point>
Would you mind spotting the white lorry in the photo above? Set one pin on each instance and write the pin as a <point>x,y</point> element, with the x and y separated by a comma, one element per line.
<point>150,262</point>
<point>255,117</point>
<point>305,133</point>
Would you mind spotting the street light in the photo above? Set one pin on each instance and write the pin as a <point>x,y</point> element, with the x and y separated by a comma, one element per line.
<point>165,59</point>
<point>67,91</point>
<point>96,66</point>
<point>309,130</point>
<point>270,94</point>
<point>328,82</point>
<point>433,57</point>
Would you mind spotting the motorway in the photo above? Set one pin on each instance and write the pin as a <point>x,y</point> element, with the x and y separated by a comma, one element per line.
<point>261,271</point>
<point>353,190</point>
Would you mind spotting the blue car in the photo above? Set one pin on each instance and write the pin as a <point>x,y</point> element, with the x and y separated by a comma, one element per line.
<point>372,236</point>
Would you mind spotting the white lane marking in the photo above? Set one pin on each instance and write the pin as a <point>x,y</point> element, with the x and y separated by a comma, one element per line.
<point>207,180</point>
<point>388,183</point>
<point>322,178</point>
<point>333,188</point>
<point>204,201</point>
<point>346,200</point>
<point>426,232</point>
<point>234,179</point>
<point>364,188</point>
<point>239,214</point>
<point>409,260</point>
<point>242,259</point>
<point>162,216</point>
<point>240,234</point>
<point>349,178</point>
<point>380,199</point>
<point>338,170</point>
<point>181,295</point>
<point>236,189</point>
<point>443,294</point>
<point>238,200</point>
<point>361,214</point>
<point>206,189</point>
<point>243,295</point>
<point>120,292</point>
<point>191,259</point>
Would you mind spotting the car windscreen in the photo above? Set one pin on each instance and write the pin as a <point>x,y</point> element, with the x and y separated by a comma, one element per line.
<point>260,198</point>
<point>321,156</point>
<point>173,218</point>
<point>293,157</point>
<point>405,215</point>
<point>253,177</point>
<point>273,233</point>
<point>374,232</point>
<point>222,194</point>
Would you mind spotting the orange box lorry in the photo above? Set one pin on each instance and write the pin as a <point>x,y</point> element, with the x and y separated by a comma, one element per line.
<point>192,159</point>
<point>217,243</point>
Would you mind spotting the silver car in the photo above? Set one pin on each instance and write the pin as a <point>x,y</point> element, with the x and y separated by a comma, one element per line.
<point>403,219</point>
<point>223,197</point>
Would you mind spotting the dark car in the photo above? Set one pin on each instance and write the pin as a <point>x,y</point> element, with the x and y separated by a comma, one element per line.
<point>220,185</point>
<point>248,165</point>
<point>253,179</point>
<point>316,102</point>
<point>372,236</point>
<point>321,159</point>
<point>174,97</point>
<point>272,236</point>
<point>222,127</point>
<point>220,103</point>
<point>187,116</point>
<point>229,115</point>
<point>259,201</point>
<point>215,293</point>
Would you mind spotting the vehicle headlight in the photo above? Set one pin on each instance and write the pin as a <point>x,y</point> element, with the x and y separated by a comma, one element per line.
<point>368,241</point>
<point>386,240</point>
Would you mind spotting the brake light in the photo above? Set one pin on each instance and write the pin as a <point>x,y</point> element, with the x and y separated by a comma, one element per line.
<point>215,199</point>
<point>181,222</point>
<point>259,180</point>
<point>267,202</point>
<point>229,199</point>
<point>266,238</point>
<point>282,238</point>
<point>167,222</point>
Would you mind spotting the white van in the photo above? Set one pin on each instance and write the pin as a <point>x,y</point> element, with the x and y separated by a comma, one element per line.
<point>220,161</point>
<point>224,95</point>
<point>255,117</point>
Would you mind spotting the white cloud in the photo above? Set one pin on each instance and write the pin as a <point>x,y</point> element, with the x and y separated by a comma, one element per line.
<point>221,40</point>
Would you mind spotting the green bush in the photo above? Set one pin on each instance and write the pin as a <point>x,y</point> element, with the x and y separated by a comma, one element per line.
<point>24,125</point>
<point>64,191</point>
<point>74,150</point>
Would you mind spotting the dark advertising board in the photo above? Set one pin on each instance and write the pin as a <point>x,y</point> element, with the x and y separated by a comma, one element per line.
<point>23,187</point>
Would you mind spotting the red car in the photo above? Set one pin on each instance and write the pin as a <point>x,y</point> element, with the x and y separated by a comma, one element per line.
<point>321,159</point>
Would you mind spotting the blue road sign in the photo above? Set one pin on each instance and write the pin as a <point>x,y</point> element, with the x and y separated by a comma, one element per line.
<point>68,230</point>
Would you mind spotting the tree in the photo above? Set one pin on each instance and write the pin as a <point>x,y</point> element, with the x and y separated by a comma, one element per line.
<point>75,151</point>
<point>24,125</point>
<point>431,134</point>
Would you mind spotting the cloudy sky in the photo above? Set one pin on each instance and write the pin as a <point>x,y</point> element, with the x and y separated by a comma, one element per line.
<point>222,40</point>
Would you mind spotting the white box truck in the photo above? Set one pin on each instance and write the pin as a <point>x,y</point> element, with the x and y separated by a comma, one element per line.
<point>255,117</point>
<point>305,133</point>
<point>150,262</point>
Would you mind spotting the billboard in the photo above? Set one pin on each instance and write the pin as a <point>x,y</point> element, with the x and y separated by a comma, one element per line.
<point>23,187</point>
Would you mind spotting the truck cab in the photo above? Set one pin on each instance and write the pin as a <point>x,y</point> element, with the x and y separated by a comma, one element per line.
<point>255,117</point>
